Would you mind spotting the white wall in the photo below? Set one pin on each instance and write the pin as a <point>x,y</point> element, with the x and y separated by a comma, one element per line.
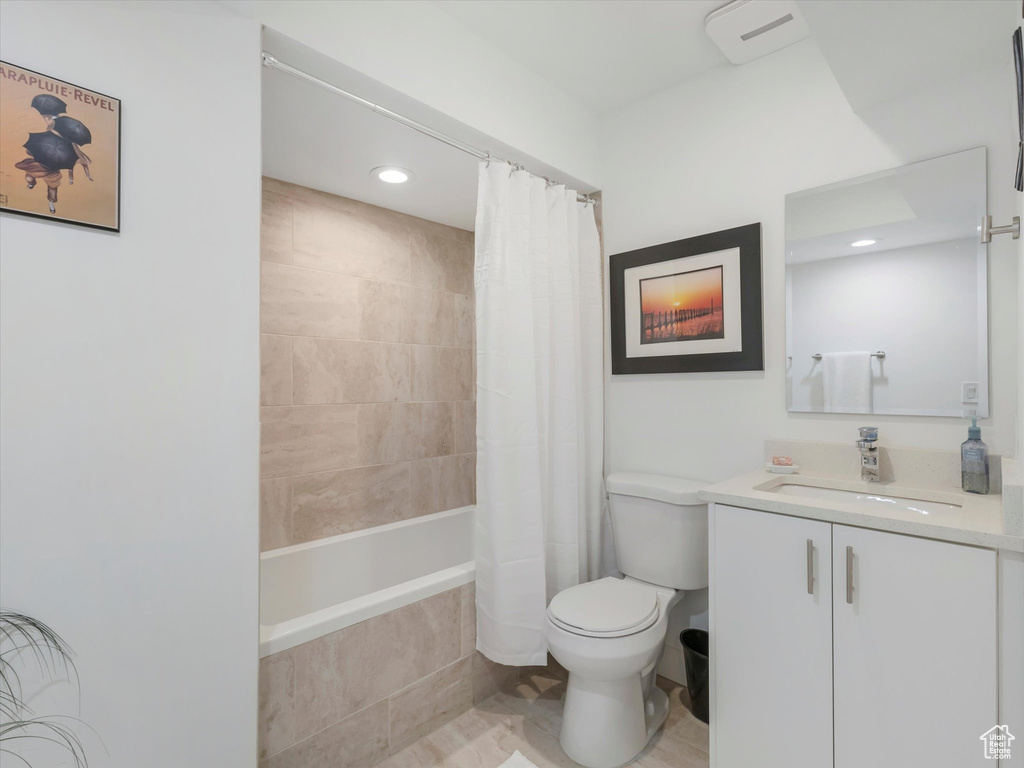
<point>129,388</point>
<point>1019,211</point>
<point>920,305</point>
<point>723,150</point>
<point>420,50</point>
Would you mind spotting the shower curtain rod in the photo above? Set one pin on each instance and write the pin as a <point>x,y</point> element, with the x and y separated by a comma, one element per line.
<point>271,62</point>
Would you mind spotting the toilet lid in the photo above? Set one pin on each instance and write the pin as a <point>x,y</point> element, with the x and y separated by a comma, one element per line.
<point>609,607</point>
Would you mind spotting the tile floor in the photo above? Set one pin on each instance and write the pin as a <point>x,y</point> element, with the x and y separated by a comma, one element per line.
<point>528,717</point>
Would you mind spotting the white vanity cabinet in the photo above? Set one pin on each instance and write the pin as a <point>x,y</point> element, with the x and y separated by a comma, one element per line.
<point>915,653</point>
<point>846,647</point>
<point>772,641</point>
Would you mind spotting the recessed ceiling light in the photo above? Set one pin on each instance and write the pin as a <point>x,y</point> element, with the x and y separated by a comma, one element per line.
<point>862,243</point>
<point>391,174</point>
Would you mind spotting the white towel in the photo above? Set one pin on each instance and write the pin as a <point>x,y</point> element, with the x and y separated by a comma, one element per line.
<point>846,382</point>
<point>517,761</point>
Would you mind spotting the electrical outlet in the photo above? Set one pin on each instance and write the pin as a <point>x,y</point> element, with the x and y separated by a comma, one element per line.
<point>970,392</point>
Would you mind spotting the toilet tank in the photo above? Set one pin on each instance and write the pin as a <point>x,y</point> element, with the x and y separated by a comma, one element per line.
<point>660,528</point>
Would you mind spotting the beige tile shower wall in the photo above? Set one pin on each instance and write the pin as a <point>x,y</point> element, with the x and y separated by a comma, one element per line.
<point>366,373</point>
<point>351,698</point>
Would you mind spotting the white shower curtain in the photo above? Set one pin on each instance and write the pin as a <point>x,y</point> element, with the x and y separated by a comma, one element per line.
<point>540,497</point>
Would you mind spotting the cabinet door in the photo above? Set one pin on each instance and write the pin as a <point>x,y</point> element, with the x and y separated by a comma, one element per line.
<point>771,641</point>
<point>915,651</point>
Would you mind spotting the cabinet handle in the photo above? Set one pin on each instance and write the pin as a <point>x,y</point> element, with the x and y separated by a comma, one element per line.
<point>849,575</point>
<point>810,567</point>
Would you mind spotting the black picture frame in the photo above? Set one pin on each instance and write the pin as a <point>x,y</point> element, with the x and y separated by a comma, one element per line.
<point>747,239</point>
<point>56,218</point>
<point>1018,68</point>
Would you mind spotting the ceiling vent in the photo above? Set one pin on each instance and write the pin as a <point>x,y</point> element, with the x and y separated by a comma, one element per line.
<point>749,29</point>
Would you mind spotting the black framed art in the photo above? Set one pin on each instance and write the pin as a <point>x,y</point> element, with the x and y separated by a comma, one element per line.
<point>49,129</point>
<point>688,306</point>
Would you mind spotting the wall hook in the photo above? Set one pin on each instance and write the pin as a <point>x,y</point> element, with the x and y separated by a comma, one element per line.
<point>987,230</point>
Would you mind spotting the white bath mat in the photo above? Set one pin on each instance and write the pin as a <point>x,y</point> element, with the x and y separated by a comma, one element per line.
<point>517,761</point>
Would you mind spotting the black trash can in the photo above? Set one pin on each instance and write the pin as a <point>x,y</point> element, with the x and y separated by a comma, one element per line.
<point>695,659</point>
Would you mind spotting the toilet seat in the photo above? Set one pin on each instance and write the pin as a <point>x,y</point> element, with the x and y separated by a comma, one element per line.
<point>605,608</point>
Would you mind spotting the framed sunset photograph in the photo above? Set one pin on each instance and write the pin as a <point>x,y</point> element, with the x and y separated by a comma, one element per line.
<point>686,306</point>
<point>690,305</point>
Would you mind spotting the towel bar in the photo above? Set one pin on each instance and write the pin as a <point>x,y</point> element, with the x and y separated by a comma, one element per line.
<point>880,355</point>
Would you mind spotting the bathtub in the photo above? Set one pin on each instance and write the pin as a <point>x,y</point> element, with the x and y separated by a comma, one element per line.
<point>308,590</point>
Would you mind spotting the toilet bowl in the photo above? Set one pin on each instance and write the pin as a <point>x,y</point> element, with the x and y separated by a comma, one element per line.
<point>609,634</point>
<point>611,706</point>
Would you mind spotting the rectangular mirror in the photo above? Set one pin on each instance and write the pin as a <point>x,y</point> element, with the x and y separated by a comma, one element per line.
<point>886,292</point>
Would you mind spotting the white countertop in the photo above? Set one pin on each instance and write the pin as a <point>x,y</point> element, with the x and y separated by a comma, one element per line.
<point>978,522</point>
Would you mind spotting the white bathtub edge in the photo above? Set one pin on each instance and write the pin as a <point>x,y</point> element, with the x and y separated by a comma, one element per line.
<point>271,554</point>
<point>288,634</point>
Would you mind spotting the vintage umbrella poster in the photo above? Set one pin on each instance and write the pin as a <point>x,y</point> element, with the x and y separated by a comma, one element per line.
<point>60,150</point>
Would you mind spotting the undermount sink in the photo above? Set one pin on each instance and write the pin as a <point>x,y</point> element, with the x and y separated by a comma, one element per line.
<point>875,501</point>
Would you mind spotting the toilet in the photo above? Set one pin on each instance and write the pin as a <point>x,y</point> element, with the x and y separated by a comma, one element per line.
<point>609,634</point>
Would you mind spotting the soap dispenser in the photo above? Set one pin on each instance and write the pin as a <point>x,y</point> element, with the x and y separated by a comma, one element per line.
<point>974,461</point>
